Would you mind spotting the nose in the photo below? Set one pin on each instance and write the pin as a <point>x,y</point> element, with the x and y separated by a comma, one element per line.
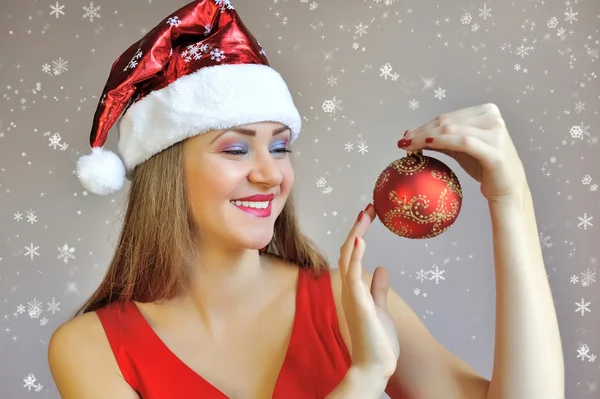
<point>265,170</point>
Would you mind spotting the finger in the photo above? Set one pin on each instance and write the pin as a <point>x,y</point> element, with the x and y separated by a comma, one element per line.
<point>380,285</point>
<point>469,115</point>
<point>354,276</point>
<point>479,109</point>
<point>359,229</point>
<point>455,129</point>
<point>354,281</point>
<point>470,144</point>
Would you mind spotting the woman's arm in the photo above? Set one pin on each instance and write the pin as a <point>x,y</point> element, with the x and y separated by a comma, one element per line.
<point>82,363</point>
<point>528,360</point>
<point>359,383</point>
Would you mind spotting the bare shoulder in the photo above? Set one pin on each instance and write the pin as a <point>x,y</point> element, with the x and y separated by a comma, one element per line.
<point>82,363</point>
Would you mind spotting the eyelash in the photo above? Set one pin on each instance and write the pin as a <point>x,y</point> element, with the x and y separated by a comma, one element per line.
<point>241,152</point>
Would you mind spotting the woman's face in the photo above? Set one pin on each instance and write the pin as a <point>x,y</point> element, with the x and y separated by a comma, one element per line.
<point>223,168</point>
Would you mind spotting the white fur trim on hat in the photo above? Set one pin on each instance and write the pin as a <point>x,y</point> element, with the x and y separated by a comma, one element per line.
<point>215,97</point>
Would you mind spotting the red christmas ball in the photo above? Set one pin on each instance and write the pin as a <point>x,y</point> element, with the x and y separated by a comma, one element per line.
<point>417,196</point>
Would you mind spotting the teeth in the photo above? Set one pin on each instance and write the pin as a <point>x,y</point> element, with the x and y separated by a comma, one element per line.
<point>247,204</point>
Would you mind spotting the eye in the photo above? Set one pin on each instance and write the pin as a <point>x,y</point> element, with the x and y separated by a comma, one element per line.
<point>282,150</point>
<point>235,152</point>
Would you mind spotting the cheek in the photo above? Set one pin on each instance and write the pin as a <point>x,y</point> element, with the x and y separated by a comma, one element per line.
<point>204,187</point>
<point>289,177</point>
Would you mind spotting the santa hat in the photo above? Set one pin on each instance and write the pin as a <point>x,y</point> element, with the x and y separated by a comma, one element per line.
<point>199,69</point>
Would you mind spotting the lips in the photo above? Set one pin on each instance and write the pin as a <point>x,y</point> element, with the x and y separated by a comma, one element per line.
<point>257,198</point>
<point>263,210</point>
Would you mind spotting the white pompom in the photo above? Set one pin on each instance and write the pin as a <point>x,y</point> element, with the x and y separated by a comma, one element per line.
<point>102,172</point>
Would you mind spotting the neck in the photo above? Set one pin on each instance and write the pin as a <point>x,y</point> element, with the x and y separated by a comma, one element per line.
<point>225,285</point>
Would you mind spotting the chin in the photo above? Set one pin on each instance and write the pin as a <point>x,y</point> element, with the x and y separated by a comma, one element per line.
<point>252,238</point>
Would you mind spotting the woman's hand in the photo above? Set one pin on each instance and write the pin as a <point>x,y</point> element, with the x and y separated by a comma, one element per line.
<point>477,138</point>
<point>374,340</point>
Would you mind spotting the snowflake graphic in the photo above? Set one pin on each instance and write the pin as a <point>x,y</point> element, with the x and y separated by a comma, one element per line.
<point>422,275</point>
<point>34,308</point>
<point>134,60</point>
<point>545,240</point>
<point>579,107</point>
<point>386,72</point>
<point>587,179</point>
<point>66,253</point>
<point>524,50</point>
<point>586,221</point>
<point>583,353</point>
<point>361,29</point>
<point>53,306</point>
<point>91,12</point>
<point>440,93</point>
<point>574,279</point>
<point>485,12</point>
<point>588,277</point>
<point>576,132</point>
<point>363,148</point>
<point>60,66</point>
<point>437,275</point>
<point>30,383</point>
<point>331,106</point>
<point>413,104</point>
<point>582,307</point>
<point>321,182</point>
<point>552,23</point>
<point>194,51</point>
<point>217,54</point>
<point>225,5</point>
<point>31,251</point>
<point>332,80</point>
<point>55,141</point>
<point>57,10</point>
<point>571,16</point>
<point>174,21</point>
<point>31,216</point>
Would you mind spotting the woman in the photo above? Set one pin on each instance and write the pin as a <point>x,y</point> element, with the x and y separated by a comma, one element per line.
<point>213,292</point>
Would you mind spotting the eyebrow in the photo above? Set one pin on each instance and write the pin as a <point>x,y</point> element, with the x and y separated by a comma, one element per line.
<point>249,132</point>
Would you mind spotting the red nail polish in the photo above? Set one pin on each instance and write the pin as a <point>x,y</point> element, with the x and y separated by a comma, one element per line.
<point>429,140</point>
<point>404,142</point>
<point>405,133</point>
<point>355,241</point>
<point>359,216</point>
<point>368,207</point>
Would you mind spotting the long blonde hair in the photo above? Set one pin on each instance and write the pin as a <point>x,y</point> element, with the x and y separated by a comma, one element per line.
<point>157,239</point>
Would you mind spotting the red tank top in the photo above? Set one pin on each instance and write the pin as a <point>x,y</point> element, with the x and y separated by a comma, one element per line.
<point>315,362</point>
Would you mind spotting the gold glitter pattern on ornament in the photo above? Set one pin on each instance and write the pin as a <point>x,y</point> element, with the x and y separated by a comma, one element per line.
<point>411,211</point>
<point>450,179</point>
<point>410,165</point>
<point>383,178</point>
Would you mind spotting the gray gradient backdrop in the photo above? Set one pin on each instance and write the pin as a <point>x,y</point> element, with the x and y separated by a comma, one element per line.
<point>361,72</point>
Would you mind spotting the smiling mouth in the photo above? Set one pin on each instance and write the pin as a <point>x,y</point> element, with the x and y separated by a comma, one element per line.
<point>252,204</point>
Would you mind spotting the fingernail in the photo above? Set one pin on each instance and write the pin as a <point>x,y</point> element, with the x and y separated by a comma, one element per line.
<point>368,207</point>
<point>429,140</point>
<point>404,143</point>
<point>355,241</point>
<point>359,216</point>
<point>405,133</point>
